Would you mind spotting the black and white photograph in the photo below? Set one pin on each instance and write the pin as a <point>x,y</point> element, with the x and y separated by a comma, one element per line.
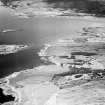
<point>52,52</point>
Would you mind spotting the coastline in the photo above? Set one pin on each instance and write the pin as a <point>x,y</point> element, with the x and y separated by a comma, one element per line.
<point>20,82</point>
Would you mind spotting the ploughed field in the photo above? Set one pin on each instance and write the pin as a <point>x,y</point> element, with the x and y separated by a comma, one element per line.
<point>75,76</point>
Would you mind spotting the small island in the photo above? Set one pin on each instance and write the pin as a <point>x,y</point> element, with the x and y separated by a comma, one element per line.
<point>8,49</point>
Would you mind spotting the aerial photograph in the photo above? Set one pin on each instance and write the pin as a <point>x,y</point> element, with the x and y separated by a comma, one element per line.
<point>52,52</point>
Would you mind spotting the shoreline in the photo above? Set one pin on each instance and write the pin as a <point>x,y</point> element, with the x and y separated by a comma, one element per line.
<point>69,57</point>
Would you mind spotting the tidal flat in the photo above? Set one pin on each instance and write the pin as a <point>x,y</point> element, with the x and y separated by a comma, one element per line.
<point>55,51</point>
<point>76,64</point>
